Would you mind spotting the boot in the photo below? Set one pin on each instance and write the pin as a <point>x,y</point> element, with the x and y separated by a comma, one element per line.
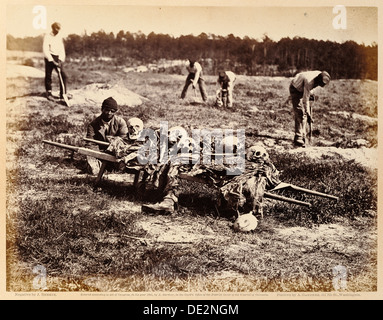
<point>68,95</point>
<point>92,165</point>
<point>299,142</point>
<point>50,96</point>
<point>167,205</point>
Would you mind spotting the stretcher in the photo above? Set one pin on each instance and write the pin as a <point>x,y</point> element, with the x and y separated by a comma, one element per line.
<point>139,173</point>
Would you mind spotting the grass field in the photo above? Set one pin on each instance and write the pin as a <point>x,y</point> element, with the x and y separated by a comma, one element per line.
<point>99,240</point>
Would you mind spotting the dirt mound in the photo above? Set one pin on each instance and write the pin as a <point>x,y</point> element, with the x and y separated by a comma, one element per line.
<point>16,71</point>
<point>367,157</point>
<point>349,115</point>
<point>96,93</point>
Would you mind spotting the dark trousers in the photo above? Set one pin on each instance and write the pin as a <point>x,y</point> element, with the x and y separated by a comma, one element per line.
<point>49,67</point>
<point>300,115</point>
<point>201,84</point>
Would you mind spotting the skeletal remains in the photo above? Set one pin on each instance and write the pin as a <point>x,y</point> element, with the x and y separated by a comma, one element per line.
<point>256,155</point>
<point>135,126</point>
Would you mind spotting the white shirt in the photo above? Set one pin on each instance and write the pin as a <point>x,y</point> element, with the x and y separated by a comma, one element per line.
<point>53,45</point>
<point>196,69</point>
<point>231,75</point>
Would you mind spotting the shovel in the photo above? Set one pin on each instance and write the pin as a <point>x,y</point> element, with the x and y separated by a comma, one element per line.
<point>195,95</point>
<point>310,118</point>
<point>310,123</point>
<point>66,100</point>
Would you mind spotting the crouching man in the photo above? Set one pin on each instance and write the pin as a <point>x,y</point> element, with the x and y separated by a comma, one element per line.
<point>224,95</point>
<point>106,124</point>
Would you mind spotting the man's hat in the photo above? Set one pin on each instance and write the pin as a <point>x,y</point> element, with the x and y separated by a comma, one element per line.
<point>326,77</point>
<point>109,104</point>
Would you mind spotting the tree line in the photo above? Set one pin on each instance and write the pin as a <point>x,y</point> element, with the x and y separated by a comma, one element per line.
<point>248,56</point>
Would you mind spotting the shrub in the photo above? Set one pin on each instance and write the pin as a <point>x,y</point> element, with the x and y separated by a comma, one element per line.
<point>354,185</point>
<point>28,62</point>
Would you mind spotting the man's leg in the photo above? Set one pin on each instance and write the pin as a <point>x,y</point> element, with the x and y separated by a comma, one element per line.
<point>93,165</point>
<point>64,78</point>
<point>49,66</point>
<point>230,89</point>
<point>202,89</point>
<point>300,117</point>
<point>229,98</point>
<point>300,125</point>
<point>186,86</point>
<point>169,186</point>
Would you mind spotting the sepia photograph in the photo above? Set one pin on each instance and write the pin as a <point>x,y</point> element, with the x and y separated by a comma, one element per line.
<point>162,150</point>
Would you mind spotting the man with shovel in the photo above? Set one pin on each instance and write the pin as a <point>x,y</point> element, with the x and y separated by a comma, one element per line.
<point>300,88</point>
<point>54,56</point>
<point>194,77</point>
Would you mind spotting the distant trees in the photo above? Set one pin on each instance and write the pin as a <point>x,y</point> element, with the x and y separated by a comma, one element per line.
<point>25,44</point>
<point>242,55</point>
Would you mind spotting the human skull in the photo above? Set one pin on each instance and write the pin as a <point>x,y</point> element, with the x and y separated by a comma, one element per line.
<point>257,154</point>
<point>177,134</point>
<point>245,223</point>
<point>135,126</point>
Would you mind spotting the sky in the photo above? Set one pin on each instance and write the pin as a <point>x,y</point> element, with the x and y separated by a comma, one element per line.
<point>252,21</point>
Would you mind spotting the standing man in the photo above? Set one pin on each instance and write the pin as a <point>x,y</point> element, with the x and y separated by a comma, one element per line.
<point>194,77</point>
<point>226,81</point>
<point>54,56</point>
<point>106,124</point>
<point>300,88</point>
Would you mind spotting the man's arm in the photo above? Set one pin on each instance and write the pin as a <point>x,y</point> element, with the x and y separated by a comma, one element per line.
<point>306,96</point>
<point>229,84</point>
<point>197,74</point>
<point>46,51</point>
<point>90,134</point>
<point>123,128</point>
<point>231,77</point>
<point>62,55</point>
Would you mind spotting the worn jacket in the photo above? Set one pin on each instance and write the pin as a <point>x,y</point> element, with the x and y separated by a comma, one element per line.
<point>196,70</point>
<point>304,83</point>
<point>227,81</point>
<point>97,130</point>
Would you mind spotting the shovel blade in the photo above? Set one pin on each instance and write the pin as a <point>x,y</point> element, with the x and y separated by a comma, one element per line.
<point>65,97</point>
<point>66,100</point>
